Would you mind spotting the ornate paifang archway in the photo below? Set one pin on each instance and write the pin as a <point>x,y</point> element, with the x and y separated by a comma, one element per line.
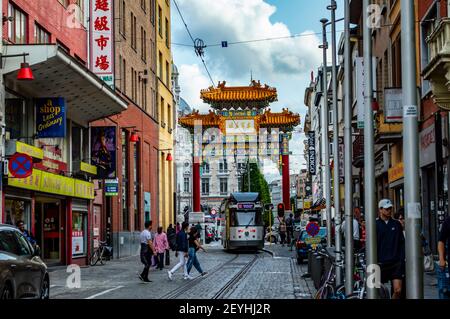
<point>242,111</point>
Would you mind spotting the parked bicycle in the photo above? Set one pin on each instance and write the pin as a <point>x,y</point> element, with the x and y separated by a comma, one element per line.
<point>101,254</point>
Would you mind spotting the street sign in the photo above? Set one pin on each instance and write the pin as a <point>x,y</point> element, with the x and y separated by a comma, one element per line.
<point>312,229</point>
<point>112,187</point>
<point>20,165</point>
<point>196,217</point>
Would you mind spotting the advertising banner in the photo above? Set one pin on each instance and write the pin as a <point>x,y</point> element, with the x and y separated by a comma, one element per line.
<point>103,150</point>
<point>50,117</point>
<point>311,153</point>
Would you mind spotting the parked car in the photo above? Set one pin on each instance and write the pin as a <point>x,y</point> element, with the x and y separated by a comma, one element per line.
<point>22,272</point>
<point>273,236</point>
<point>305,242</point>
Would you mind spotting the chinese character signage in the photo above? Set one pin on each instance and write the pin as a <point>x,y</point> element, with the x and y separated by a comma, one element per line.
<point>102,40</point>
<point>240,127</point>
<point>284,144</point>
<point>311,153</point>
<point>103,150</point>
<point>50,117</point>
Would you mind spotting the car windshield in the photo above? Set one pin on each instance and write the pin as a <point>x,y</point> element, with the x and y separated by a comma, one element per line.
<point>322,233</point>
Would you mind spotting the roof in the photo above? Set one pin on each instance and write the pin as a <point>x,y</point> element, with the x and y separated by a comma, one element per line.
<point>245,197</point>
<point>254,92</point>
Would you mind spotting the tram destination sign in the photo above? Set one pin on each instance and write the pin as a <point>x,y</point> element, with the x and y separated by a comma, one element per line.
<point>246,206</point>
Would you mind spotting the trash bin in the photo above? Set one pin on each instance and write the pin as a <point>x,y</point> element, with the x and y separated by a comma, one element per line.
<point>310,256</point>
<point>317,269</point>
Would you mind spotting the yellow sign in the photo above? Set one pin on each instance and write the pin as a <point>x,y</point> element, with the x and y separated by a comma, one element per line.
<point>313,240</point>
<point>91,169</point>
<point>32,151</point>
<point>54,184</point>
<point>32,182</point>
<point>395,173</point>
<point>307,205</point>
<point>84,189</point>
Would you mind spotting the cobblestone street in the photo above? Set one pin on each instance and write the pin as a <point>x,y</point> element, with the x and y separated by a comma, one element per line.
<point>271,274</point>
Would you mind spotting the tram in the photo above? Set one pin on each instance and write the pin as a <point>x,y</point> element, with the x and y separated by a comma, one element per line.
<point>242,224</point>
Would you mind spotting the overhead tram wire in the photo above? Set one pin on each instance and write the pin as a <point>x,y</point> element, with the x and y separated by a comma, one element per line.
<point>193,41</point>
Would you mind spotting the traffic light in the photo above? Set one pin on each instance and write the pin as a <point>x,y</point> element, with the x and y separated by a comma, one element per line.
<point>280,209</point>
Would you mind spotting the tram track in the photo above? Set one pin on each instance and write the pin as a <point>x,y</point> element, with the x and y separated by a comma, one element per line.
<point>225,289</point>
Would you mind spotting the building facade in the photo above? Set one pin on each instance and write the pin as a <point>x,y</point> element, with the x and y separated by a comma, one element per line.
<point>165,100</point>
<point>47,118</point>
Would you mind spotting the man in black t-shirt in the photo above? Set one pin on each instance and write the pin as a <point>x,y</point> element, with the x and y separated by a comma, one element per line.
<point>390,247</point>
<point>444,238</point>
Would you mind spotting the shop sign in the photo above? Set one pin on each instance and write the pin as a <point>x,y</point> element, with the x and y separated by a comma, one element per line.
<point>284,144</point>
<point>54,184</point>
<point>50,117</point>
<point>19,147</point>
<point>237,113</point>
<point>361,87</point>
<point>112,187</point>
<point>395,173</point>
<point>307,204</point>
<point>77,243</point>
<point>102,39</point>
<point>393,105</point>
<point>88,168</point>
<point>427,152</point>
<point>311,153</point>
<point>240,127</point>
<point>341,160</point>
<point>103,150</point>
<point>84,189</point>
<point>53,160</point>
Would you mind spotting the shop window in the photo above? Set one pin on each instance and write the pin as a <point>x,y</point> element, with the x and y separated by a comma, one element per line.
<point>14,109</point>
<point>79,233</point>
<point>205,186</point>
<point>18,210</point>
<point>76,143</point>
<point>17,29</point>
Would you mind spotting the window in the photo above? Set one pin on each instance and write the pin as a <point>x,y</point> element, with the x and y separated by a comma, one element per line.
<point>76,143</point>
<point>205,186</point>
<point>24,246</point>
<point>143,44</point>
<point>427,26</point>
<point>125,215</point>
<point>223,166</point>
<point>206,168</point>
<point>167,74</point>
<point>133,31</point>
<point>120,72</point>
<point>187,185</point>
<point>40,35</point>
<point>223,186</point>
<point>9,243</point>
<point>161,105</point>
<point>397,62</point>
<point>160,21</point>
<point>167,34</point>
<point>169,117</point>
<point>17,209</point>
<point>160,66</point>
<point>79,233</point>
<point>132,84</point>
<point>136,174</point>
<point>152,11</point>
<point>122,17</point>
<point>17,29</point>
<point>124,77</point>
<point>144,5</point>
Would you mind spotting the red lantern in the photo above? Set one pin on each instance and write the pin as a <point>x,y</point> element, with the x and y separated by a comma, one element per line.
<point>169,157</point>
<point>25,73</point>
<point>134,137</point>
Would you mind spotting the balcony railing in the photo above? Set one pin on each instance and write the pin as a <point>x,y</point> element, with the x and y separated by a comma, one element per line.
<point>438,69</point>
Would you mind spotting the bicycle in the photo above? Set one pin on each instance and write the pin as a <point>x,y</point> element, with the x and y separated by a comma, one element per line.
<point>100,254</point>
<point>327,288</point>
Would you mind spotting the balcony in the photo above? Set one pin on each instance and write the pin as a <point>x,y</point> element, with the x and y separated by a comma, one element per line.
<point>386,133</point>
<point>438,69</point>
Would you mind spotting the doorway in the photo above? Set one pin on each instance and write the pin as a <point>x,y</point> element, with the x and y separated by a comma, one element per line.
<point>48,228</point>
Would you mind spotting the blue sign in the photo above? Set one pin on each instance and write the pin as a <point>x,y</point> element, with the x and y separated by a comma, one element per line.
<point>51,117</point>
<point>312,229</point>
<point>112,187</point>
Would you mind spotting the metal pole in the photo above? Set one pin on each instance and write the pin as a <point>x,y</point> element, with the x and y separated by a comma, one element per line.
<point>414,255</point>
<point>2,123</point>
<point>248,176</point>
<point>324,124</point>
<point>369,158</point>
<point>348,114</point>
<point>337,197</point>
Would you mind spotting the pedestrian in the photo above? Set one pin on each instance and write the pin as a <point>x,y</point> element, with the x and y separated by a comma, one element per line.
<point>362,236</point>
<point>290,228</point>
<point>199,229</point>
<point>147,250</point>
<point>178,228</point>
<point>161,246</point>
<point>21,225</point>
<point>283,230</point>
<point>181,252</point>
<point>356,237</point>
<point>194,246</point>
<point>390,248</point>
<point>172,239</point>
<point>444,257</point>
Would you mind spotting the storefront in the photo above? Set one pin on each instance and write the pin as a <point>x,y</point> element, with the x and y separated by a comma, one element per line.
<point>396,184</point>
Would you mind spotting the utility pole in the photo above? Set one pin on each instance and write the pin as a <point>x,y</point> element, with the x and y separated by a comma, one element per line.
<point>348,114</point>
<point>337,197</point>
<point>414,255</point>
<point>324,124</point>
<point>369,157</point>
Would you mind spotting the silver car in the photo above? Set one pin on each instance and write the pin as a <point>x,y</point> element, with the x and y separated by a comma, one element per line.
<point>22,272</point>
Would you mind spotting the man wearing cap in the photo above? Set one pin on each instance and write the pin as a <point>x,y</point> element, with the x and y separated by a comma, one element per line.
<point>390,247</point>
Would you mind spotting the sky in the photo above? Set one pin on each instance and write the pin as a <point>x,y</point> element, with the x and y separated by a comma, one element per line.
<point>285,63</point>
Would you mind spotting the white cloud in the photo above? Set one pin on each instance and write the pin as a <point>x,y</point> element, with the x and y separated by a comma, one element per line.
<point>191,80</point>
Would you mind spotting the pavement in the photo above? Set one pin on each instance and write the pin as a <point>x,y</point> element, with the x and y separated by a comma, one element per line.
<point>266,276</point>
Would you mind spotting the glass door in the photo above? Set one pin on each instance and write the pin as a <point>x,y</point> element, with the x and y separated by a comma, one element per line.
<point>48,216</point>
